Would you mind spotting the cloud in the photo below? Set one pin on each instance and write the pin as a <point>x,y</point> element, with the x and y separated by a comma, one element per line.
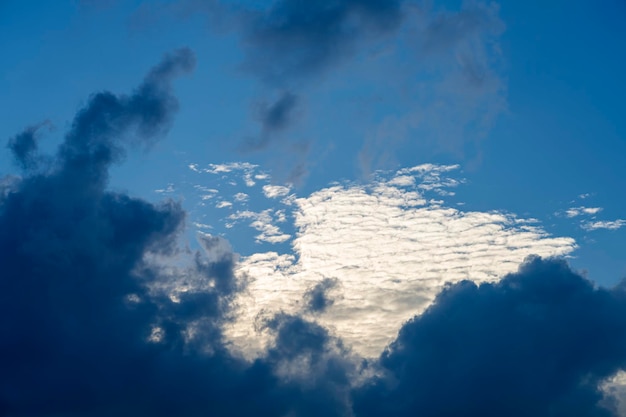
<point>539,342</point>
<point>278,115</point>
<point>317,298</point>
<point>262,222</point>
<point>294,39</point>
<point>391,248</point>
<point>274,118</point>
<point>105,313</point>
<point>604,224</point>
<point>579,211</point>
<point>224,168</point>
<point>24,146</point>
<point>275,191</point>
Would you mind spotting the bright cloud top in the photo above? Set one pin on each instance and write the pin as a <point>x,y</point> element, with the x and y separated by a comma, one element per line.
<point>388,248</point>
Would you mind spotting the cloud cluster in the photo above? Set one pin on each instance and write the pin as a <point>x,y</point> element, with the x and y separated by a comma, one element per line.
<point>579,211</point>
<point>295,39</point>
<point>591,223</point>
<point>538,343</point>
<point>391,248</point>
<point>104,313</point>
<point>604,224</point>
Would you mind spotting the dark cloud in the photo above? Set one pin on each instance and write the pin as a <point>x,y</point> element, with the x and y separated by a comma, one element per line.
<point>296,39</point>
<point>278,115</point>
<point>274,117</point>
<point>317,299</point>
<point>24,146</point>
<point>538,343</point>
<point>306,353</point>
<point>103,313</point>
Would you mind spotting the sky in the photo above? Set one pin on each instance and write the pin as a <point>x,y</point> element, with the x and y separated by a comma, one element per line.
<point>344,207</point>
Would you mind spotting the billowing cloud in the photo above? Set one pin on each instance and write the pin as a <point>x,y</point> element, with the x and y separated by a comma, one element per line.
<point>24,146</point>
<point>104,313</point>
<point>538,343</point>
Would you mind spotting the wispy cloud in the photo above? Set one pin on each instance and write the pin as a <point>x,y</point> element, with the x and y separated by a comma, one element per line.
<point>275,191</point>
<point>604,224</point>
<point>579,211</point>
<point>264,223</point>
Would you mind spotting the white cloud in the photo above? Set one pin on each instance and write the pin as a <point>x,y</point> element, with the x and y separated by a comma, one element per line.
<point>264,223</point>
<point>579,211</point>
<point>224,168</point>
<point>169,189</point>
<point>275,191</point>
<point>391,251</point>
<point>609,225</point>
<point>402,181</point>
<point>223,204</point>
<point>241,197</point>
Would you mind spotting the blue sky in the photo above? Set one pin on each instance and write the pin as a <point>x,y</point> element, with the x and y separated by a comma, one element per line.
<point>342,163</point>
<point>554,131</point>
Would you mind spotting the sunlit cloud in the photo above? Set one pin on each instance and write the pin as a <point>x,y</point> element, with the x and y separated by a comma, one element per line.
<point>387,244</point>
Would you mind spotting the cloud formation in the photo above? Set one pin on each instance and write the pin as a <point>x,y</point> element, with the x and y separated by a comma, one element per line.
<point>103,312</point>
<point>275,118</point>
<point>317,299</point>
<point>24,146</point>
<point>295,39</point>
<point>604,224</point>
<point>580,211</point>
<point>391,245</point>
<point>537,343</point>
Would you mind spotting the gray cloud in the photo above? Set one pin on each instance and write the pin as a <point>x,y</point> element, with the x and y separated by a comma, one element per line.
<point>294,39</point>
<point>274,117</point>
<point>317,299</point>
<point>538,343</point>
<point>104,313</point>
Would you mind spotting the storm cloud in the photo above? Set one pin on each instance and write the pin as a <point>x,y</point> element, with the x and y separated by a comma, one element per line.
<point>103,312</point>
<point>538,343</point>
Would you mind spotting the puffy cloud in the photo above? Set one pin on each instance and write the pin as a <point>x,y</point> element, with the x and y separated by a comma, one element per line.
<point>103,312</point>
<point>540,342</point>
